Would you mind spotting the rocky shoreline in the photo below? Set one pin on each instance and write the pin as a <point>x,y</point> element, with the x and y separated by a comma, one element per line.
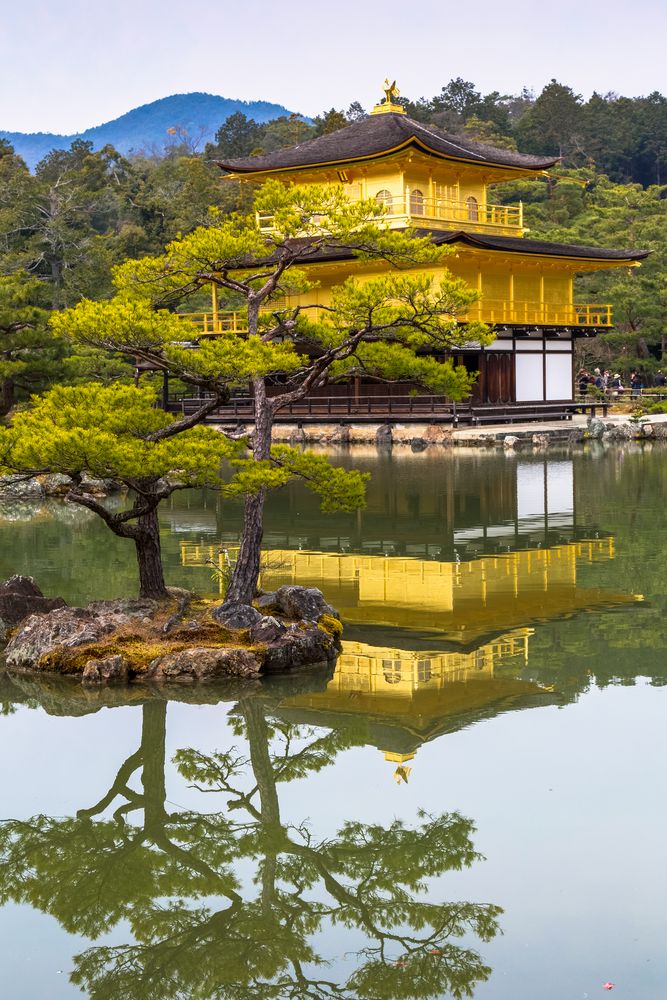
<point>422,436</point>
<point>181,639</point>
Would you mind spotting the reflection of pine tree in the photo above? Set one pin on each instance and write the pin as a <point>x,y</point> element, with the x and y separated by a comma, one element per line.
<point>196,934</point>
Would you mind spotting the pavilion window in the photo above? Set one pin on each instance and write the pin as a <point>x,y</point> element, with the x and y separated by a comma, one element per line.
<point>473,208</point>
<point>424,673</point>
<point>385,199</point>
<point>391,670</point>
<point>416,202</point>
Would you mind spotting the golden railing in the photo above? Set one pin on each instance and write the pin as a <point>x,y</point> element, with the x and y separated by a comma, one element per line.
<point>415,210</point>
<point>493,311</point>
<point>498,311</point>
<point>212,323</point>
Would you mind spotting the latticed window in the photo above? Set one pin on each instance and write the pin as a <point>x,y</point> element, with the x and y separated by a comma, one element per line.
<point>417,202</point>
<point>385,199</point>
<point>424,671</point>
<point>473,208</point>
<point>391,670</point>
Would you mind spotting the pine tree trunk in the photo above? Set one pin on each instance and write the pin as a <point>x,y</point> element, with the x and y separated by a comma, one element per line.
<point>6,395</point>
<point>149,557</point>
<point>243,586</point>
<point>153,740</point>
<point>262,769</point>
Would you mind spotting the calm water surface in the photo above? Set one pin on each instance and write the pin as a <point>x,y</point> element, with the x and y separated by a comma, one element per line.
<point>473,804</point>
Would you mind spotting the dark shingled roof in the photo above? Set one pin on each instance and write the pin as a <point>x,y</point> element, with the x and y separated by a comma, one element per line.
<point>519,244</point>
<point>510,244</point>
<point>379,135</point>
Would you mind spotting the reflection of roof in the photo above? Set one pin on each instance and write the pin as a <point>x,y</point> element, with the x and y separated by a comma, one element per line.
<point>456,706</point>
<point>382,135</point>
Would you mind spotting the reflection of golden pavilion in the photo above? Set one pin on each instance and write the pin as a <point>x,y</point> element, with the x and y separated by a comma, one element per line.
<point>470,601</point>
<point>401,697</point>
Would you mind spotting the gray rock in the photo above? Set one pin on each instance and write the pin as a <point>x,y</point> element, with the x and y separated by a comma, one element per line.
<point>20,597</point>
<point>340,436</point>
<point>14,608</point>
<point>97,487</point>
<point>299,647</point>
<point>20,488</point>
<point>418,444</point>
<point>42,635</point>
<point>306,603</point>
<point>56,484</point>
<point>297,438</point>
<point>235,616</point>
<point>109,668</point>
<point>384,436</point>
<point>267,601</point>
<point>23,585</point>
<point>124,608</point>
<point>596,427</point>
<point>3,633</point>
<point>204,663</point>
<point>267,630</point>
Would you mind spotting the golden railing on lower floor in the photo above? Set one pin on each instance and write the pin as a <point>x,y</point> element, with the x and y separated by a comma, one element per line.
<point>492,311</point>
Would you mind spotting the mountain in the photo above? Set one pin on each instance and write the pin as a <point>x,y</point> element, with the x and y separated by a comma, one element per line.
<point>146,128</point>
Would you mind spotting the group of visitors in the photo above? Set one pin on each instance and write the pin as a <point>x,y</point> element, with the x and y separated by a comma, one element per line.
<point>612,384</point>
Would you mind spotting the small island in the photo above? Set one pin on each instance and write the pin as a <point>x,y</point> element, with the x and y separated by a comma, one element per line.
<point>180,638</point>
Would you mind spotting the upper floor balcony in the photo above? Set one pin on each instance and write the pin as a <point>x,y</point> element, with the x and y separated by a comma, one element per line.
<point>491,311</point>
<point>413,208</point>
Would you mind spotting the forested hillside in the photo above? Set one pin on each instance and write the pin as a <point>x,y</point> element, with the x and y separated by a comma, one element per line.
<point>190,119</point>
<point>82,211</point>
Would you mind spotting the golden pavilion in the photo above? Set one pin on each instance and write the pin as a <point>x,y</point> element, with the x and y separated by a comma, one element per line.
<point>440,184</point>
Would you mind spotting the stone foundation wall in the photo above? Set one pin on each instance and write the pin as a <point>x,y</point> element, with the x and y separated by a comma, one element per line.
<point>420,436</point>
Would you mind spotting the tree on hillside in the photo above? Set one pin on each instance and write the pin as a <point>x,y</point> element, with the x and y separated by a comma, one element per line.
<point>28,350</point>
<point>237,136</point>
<point>379,326</point>
<point>71,214</point>
<point>330,121</point>
<point>614,215</point>
<point>551,124</point>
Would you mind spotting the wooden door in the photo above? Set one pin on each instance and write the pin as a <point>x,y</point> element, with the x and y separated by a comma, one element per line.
<point>499,381</point>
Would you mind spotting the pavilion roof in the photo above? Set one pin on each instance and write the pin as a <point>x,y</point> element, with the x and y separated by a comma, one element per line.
<point>382,135</point>
<point>506,244</point>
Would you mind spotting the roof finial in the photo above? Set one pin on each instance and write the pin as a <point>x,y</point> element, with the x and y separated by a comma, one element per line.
<point>391,92</point>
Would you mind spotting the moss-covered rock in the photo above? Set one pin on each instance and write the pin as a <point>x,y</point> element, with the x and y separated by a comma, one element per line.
<point>168,640</point>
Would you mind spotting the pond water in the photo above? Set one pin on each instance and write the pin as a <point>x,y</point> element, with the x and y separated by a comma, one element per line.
<point>472,804</point>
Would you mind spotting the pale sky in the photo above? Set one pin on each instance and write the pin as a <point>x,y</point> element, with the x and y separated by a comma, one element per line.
<point>69,65</point>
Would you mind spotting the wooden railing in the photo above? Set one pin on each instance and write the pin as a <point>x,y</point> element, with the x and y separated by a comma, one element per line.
<point>392,408</point>
<point>333,407</point>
